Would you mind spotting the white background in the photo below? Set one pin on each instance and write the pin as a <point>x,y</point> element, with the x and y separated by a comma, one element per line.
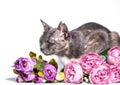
<point>20,26</point>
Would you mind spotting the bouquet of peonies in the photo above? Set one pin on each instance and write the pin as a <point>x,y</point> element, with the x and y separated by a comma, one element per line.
<point>36,70</point>
<point>102,68</point>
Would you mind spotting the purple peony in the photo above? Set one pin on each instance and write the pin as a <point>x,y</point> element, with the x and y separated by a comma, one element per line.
<point>24,64</point>
<point>38,79</point>
<point>49,72</point>
<point>28,76</point>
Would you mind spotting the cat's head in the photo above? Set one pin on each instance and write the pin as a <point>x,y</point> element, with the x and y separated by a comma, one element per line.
<point>53,40</point>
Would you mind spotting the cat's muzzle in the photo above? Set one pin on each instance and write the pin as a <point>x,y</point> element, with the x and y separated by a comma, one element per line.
<point>46,52</point>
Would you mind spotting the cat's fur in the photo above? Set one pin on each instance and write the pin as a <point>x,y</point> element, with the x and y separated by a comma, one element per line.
<point>90,37</point>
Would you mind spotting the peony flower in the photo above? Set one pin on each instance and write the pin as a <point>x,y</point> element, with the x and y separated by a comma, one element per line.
<point>114,55</point>
<point>89,61</point>
<point>38,79</point>
<point>100,75</point>
<point>73,73</point>
<point>49,72</point>
<point>60,76</point>
<point>28,76</point>
<point>24,64</point>
<point>115,74</point>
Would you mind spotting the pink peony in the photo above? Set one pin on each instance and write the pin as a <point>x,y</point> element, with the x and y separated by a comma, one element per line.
<point>114,56</point>
<point>73,73</point>
<point>89,61</point>
<point>100,75</point>
<point>115,74</point>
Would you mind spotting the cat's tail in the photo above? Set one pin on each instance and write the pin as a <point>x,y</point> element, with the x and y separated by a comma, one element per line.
<point>114,39</point>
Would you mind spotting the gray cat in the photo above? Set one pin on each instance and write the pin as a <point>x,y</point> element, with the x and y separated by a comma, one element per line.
<point>90,37</point>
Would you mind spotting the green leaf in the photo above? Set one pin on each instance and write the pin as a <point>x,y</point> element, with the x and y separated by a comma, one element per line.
<point>40,57</point>
<point>54,63</point>
<point>15,71</point>
<point>103,54</point>
<point>32,55</point>
<point>40,65</point>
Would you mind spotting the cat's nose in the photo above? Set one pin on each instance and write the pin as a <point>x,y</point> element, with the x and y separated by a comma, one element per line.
<point>41,49</point>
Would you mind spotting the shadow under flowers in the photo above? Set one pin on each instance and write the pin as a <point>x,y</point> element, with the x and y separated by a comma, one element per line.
<point>11,79</point>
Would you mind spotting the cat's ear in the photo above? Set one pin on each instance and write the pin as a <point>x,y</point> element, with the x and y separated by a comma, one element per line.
<point>62,27</point>
<point>45,25</point>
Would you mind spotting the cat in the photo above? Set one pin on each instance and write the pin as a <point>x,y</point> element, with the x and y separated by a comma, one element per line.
<point>67,45</point>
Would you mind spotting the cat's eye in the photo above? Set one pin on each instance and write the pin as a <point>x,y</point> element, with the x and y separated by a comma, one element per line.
<point>51,41</point>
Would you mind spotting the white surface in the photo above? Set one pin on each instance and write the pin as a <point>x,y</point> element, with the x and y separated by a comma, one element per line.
<point>20,26</point>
